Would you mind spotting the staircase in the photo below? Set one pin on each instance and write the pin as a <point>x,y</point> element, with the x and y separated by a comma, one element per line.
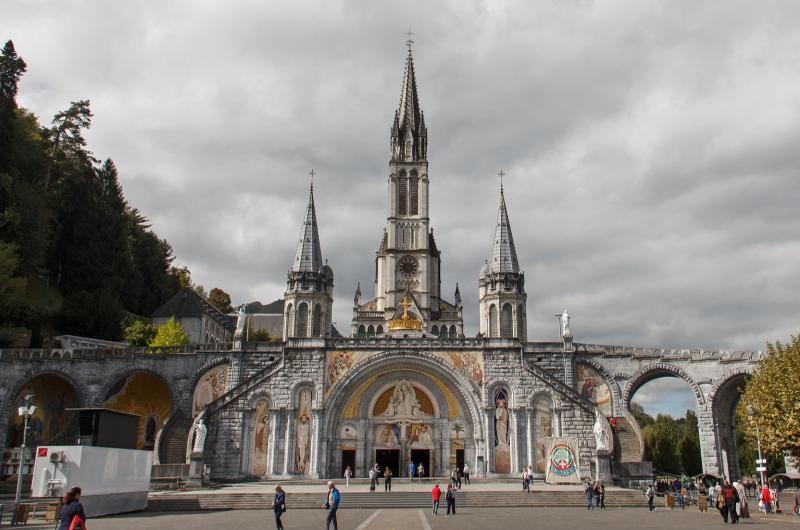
<point>245,386</point>
<point>626,442</point>
<point>380,499</point>
<point>173,444</point>
<point>566,391</point>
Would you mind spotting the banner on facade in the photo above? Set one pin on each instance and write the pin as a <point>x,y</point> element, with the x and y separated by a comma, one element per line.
<point>562,462</point>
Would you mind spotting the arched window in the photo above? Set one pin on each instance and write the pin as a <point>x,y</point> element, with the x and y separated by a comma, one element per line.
<point>435,330</point>
<point>302,320</point>
<point>370,330</point>
<point>402,206</point>
<point>507,322</point>
<point>290,321</point>
<point>316,322</point>
<point>452,332</point>
<point>521,331</point>
<point>379,330</point>
<point>362,331</point>
<point>413,196</point>
<point>493,331</point>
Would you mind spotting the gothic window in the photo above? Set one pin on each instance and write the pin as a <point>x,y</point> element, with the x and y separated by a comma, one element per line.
<point>413,196</point>
<point>370,331</point>
<point>452,332</point>
<point>362,332</point>
<point>402,207</point>
<point>316,322</point>
<point>435,330</point>
<point>379,330</point>
<point>302,320</point>
<point>493,331</point>
<point>506,322</point>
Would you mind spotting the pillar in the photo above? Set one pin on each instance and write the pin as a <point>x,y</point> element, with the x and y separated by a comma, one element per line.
<point>314,442</point>
<point>528,435</point>
<point>272,462</point>
<point>488,442</point>
<point>709,445</point>
<point>513,441</point>
<point>288,453</point>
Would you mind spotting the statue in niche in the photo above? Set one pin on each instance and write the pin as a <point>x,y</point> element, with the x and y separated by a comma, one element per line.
<point>403,403</point>
<point>600,434</point>
<point>200,431</point>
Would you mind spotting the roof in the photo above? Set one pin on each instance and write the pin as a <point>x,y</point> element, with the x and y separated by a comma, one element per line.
<point>504,253</point>
<point>273,308</point>
<point>308,257</point>
<point>187,303</point>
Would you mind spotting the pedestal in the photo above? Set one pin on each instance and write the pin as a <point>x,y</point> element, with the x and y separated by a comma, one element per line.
<point>195,478</point>
<point>604,468</point>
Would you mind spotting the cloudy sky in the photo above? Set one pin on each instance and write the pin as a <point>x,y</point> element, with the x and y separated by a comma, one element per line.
<point>652,149</point>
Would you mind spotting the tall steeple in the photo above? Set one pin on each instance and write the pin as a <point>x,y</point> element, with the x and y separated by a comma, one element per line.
<point>409,136</point>
<point>504,254</point>
<point>501,284</point>
<point>308,257</point>
<point>308,300</point>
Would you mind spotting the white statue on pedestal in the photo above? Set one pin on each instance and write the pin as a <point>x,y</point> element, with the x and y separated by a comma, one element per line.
<point>240,322</point>
<point>566,331</point>
<point>600,434</point>
<point>200,432</point>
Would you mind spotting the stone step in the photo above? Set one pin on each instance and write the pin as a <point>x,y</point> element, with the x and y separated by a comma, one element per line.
<point>380,499</point>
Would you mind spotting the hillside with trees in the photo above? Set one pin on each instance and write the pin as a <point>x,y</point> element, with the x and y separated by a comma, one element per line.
<point>75,257</point>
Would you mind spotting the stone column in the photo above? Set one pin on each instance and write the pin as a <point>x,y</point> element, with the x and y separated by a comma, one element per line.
<point>273,442</point>
<point>559,430</point>
<point>314,442</point>
<point>488,442</point>
<point>528,433</point>
<point>288,452</point>
<point>514,441</point>
<point>709,445</point>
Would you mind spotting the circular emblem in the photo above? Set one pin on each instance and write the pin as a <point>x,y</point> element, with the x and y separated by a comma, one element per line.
<point>562,461</point>
<point>408,266</point>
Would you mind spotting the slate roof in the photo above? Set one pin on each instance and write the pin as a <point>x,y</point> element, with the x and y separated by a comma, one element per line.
<point>187,303</point>
<point>504,254</point>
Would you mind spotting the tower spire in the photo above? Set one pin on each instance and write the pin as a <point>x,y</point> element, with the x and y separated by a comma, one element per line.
<point>308,257</point>
<point>409,134</point>
<point>504,253</point>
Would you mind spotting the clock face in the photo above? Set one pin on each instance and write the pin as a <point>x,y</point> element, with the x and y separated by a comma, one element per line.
<point>408,266</point>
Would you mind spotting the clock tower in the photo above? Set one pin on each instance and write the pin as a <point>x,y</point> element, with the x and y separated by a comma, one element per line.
<point>407,263</point>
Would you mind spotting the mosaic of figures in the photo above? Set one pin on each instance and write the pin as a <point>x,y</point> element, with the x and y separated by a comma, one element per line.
<point>390,435</point>
<point>468,364</point>
<point>302,448</point>
<point>261,433</point>
<point>404,401</point>
<point>144,394</point>
<point>543,431</point>
<point>502,452</point>
<point>51,395</point>
<point>211,385</point>
<point>593,387</point>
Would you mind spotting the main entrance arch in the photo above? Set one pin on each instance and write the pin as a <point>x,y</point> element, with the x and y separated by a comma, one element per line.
<point>393,409</point>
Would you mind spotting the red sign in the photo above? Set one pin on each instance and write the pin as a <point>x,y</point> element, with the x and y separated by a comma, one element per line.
<point>42,451</point>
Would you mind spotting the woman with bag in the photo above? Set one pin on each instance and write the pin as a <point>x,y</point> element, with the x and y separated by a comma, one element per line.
<point>450,497</point>
<point>72,514</point>
<point>279,506</point>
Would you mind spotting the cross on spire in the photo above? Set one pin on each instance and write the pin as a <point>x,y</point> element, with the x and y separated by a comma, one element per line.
<point>312,173</point>
<point>409,41</point>
<point>501,175</point>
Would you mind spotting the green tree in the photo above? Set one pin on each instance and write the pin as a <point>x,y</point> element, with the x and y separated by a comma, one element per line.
<point>641,417</point>
<point>772,394</point>
<point>688,448</point>
<point>170,334</point>
<point>660,440</point>
<point>140,333</point>
<point>220,299</point>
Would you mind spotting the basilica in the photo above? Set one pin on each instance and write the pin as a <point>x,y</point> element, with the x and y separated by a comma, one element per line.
<point>408,383</point>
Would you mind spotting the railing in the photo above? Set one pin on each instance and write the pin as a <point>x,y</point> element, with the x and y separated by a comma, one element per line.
<point>242,388</point>
<point>61,354</point>
<point>559,386</point>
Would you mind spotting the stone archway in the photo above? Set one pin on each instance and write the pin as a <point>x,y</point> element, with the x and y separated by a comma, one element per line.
<point>52,393</point>
<point>398,407</point>
<point>723,399</point>
<point>654,371</point>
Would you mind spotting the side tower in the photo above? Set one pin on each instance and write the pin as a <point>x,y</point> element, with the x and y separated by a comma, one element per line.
<point>502,285</point>
<point>308,301</point>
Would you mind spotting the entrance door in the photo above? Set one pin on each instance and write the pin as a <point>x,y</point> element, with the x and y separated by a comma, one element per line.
<point>422,456</point>
<point>388,458</point>
<point>348,459</point>
<point>460,458</point>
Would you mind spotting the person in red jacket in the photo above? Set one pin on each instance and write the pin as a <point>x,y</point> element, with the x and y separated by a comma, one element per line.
<point>436,494</point>
<point>766,499</point>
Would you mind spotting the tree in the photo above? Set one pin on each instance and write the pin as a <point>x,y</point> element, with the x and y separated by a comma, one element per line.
<point>220,299</point>
<point>170,334</point>
<point>641,417</point>
<point>688,447</point>
<point>140,333</point>
<point>12,67</point>
<point>772,394</point>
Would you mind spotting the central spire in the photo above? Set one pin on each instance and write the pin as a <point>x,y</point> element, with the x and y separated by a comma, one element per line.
<point>409,135</point>
<point>504,254</point>
<point>308,257</point>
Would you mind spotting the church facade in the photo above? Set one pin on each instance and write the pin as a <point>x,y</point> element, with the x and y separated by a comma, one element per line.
<point>407,384</point>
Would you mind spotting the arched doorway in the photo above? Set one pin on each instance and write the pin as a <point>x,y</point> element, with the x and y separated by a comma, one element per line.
<point>145,394</point>
<point>724,402</point>
<point>50,424</point>
<point>396,410</point>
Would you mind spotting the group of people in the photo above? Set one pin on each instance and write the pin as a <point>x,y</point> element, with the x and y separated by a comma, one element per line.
<point>595,493</point>
<point>730,500</point>
<point>450,498</point>
<point>527,478</point>
<point>457,474</point>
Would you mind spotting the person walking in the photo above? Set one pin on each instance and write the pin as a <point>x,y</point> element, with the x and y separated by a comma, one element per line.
<point>466,474</point>
<point>650,494</point>
<point>420,471</point>
<point>377,474</point>
<point>454,477</point>
<point>731,499</point>
<point>279,506</point>
<point>682,495</point>
<point>450,497</point>
<point>601,495</point>
<point>525,480</point>
<point>412,470</point>
<point>72,509</point>
<point>796,508</point>
<point>588,490</point>
<point>347,474</point>
<point>372,473</point>
<point>766,499</point>
<point>742,509</point>
<point>331,506</point>
<point>387,479</point>
<point>436,494</point>
<point>722,504</point>
<point>458,478</point>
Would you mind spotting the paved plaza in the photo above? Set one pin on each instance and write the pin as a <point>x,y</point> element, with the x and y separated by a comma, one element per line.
<point>418,519</point>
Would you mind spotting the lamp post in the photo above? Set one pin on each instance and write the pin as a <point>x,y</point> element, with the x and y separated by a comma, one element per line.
<point>751,411</point>
<point>26,411</point>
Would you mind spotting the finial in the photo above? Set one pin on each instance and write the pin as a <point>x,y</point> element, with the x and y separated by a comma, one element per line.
<point>312,173</point>
<point>409,41</point>
<point>501,175</point>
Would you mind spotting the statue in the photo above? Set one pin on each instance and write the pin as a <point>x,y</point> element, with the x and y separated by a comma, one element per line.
<point>200,431</point>
<point>240,321</point>
<point>600,434</point>
<point>403,402</point>
<point>566,332</point>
